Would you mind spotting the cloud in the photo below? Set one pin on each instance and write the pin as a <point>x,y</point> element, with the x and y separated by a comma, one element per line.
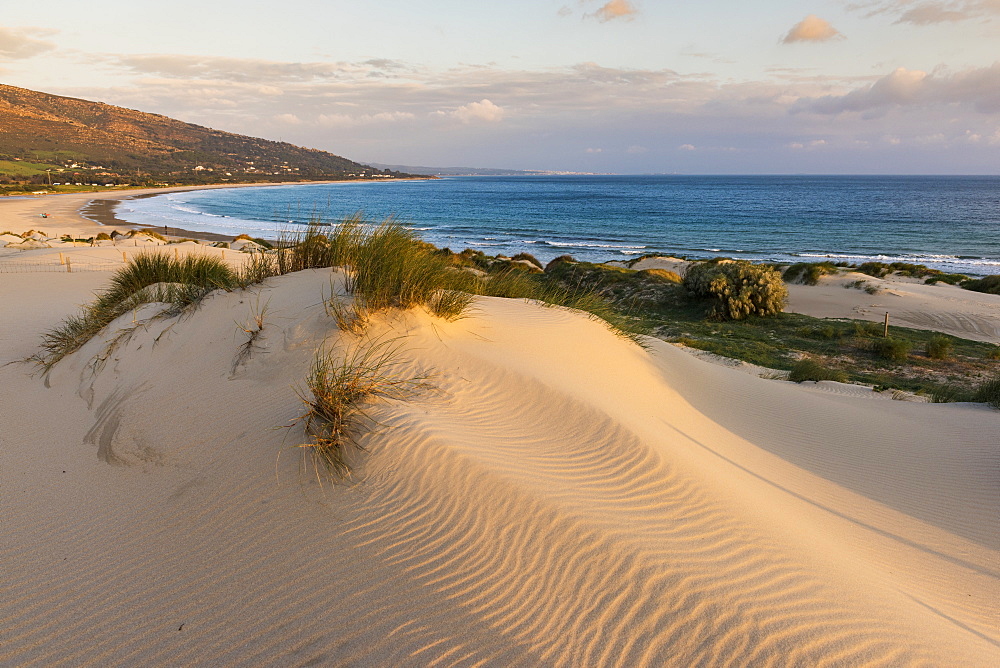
<point>484,110</point>
<point>615,9</point>
<point>928,12</point>
<point>249,69</point>
<point>17,43</point>
<point>594,150</point>
<point>812,29</point>
<point>686,147</point>
<point>978,89</point>
<point>635,149</point>
<point>565,11</point>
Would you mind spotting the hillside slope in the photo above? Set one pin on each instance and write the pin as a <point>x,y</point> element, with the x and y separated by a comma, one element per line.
<point>70,134</point>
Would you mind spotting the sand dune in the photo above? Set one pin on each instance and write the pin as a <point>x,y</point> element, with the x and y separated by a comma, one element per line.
<point>555,496</point>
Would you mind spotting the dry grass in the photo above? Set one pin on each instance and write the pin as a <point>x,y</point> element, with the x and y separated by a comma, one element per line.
<point>252,329</point>
<point>342,386</point>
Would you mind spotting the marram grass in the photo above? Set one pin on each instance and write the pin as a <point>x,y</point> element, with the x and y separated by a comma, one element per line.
<point>342,386</point>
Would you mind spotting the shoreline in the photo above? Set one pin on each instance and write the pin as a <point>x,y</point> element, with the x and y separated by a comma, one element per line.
<point>86,214</point>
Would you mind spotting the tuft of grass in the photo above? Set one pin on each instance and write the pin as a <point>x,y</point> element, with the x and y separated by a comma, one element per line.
<point>810,369</point>
<point>939,347</point>
<point>252,329</point>
<point>808,273</point>
<point>946,394</point>
<point>341,389</point>
<point>989,392</point>
<point>147,278</point>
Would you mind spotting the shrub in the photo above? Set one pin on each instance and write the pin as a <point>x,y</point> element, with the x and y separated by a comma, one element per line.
<point>808,273</point>
<point>104,236</point>
<point>989,392</point>
<point>993,354</point>
<point>810,369</point>
<point>939,347</point>
<point>987,284</point>
<point>890,348</point>
<point>737,289</point>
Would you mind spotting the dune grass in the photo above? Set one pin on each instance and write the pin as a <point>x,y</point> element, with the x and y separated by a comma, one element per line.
<point>810,369</point>
<point>148,277</point>
<point>342,385</point>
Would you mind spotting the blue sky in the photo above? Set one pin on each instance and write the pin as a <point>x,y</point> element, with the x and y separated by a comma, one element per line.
<point>625,86</point>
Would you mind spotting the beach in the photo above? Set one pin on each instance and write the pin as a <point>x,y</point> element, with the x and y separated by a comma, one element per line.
<point>548,494</point>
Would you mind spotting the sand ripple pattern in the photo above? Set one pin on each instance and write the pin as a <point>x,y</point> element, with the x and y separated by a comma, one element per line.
<point>561,498</point>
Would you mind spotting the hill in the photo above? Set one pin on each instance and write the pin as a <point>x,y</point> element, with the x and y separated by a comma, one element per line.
<point>53,138</point>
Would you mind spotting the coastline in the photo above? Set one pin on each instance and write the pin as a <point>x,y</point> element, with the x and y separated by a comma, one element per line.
<point>87,214</point>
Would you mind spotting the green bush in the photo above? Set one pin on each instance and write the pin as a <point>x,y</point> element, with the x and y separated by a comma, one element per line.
<point>987,284</point>
<point>737,289</point>
<point>939,347</point>
<point>890,348</point>
<point>810,369</point>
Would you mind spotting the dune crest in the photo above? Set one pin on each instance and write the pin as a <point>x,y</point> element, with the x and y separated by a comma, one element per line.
<point>557,496</point>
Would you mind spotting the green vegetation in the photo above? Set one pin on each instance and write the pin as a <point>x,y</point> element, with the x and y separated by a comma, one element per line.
<point>21,168</point>
<point>989,392</point>
<point>808,273</point>
<point>810,369</point>
<point>736,289</point>
<point>987,284</point>
<point>938,347</point>
<point>147,278</point>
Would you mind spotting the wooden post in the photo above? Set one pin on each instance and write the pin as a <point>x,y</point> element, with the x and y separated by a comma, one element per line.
<point>886,333</point>
<point>62,260</point>
<point>176,254</point>
<point>223,253</point>
<point>124,259</point>
<point>69,266</point>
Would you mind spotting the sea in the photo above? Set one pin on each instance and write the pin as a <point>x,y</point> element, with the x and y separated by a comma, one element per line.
<point>950,223</point>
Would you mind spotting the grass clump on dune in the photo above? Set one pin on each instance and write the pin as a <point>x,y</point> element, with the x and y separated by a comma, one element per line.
<point>147,278</point>
<point>808,273</point>
<point>989,392</point>
<point>341,389</point>
<point>810,369</point>
<point>987,284</point>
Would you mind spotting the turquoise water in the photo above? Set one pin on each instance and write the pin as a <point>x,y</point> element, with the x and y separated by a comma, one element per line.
<point>951,223</point>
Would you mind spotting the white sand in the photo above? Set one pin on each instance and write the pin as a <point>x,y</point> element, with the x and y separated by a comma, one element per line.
<point>560,497</point>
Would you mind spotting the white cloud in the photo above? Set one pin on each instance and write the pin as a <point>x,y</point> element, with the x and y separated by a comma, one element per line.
<point>288,119</point>
<point>686,147</point>
<point>812,29</point>
<point>594,150</point>
<point>484,110</point>
<point>17,43</point>
<point>927,12</point>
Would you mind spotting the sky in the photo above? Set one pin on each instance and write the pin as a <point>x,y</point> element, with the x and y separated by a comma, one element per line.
<point>619,86</point>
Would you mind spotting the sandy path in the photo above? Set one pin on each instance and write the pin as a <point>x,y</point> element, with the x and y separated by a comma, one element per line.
<point>531,509</point>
